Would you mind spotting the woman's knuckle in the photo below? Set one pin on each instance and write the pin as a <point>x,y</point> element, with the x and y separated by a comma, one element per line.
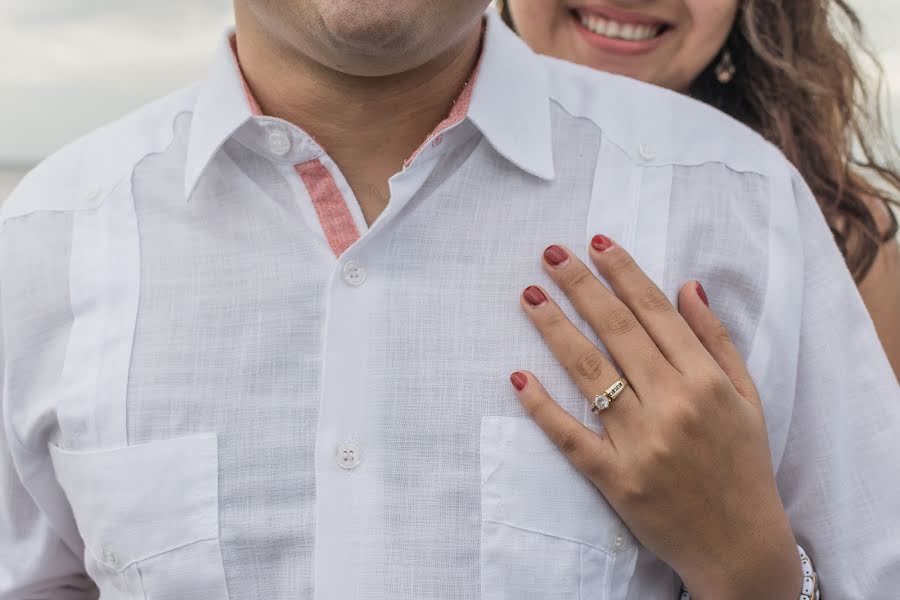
<point>720,333</point>
<point>619,265</point>
<point>618,321</point>
<point>688,419</point>
<point>554,321</point>
<point>568,441</point>
<point>632,490</point>
<point>576,279</point>
<point>659,452</point>
<point>711,384</point>
<point>652,299</point>
<point>591,364</point>
<point>595,470</point>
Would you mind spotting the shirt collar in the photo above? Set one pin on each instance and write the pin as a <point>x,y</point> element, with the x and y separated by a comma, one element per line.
<point>509,104</point>
<point>510,101</point>
<point>220,110</point>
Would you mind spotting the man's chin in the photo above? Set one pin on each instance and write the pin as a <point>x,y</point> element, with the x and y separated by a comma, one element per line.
<point>369,38</point>
<point>373,28</point>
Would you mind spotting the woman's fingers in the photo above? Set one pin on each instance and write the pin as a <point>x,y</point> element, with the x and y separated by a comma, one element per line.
<point>590,453</point>
<point>616,325</point>
<point>694,307</point>
<point>648,303</point>
<point>589,368</point>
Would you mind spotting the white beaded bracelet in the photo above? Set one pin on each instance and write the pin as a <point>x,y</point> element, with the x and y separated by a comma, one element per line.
<point>810,580</point>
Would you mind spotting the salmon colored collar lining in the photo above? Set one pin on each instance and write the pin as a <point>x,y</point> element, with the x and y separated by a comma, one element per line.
<point>509,102</point>
<point>457,113</point>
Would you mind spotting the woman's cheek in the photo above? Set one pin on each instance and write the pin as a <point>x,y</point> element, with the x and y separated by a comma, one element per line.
<point>711,22</point>
<point>539,24</point>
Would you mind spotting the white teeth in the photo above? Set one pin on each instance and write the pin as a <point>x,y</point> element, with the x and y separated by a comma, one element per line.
<point>620,31</point>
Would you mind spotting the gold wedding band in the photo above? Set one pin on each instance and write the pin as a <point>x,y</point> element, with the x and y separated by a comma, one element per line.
<point>602,401</point>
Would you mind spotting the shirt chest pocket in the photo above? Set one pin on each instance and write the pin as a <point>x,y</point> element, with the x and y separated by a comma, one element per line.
<point>546,531</point>
<point>148,515</point>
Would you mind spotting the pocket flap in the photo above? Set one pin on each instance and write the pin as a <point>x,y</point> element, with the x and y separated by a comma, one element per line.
<point>528,483</point>
<point>139,501</point>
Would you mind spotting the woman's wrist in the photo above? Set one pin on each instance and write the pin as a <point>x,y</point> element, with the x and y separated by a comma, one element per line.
<point>753,558</point>
<point>774,576</point>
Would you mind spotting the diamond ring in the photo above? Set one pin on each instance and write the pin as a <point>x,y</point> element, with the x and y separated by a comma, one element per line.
<point>602,401</point>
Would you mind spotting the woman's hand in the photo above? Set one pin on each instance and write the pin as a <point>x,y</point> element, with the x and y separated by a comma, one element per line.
<point>684,455</point>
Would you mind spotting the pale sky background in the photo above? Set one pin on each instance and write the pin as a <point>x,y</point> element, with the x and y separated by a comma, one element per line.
<point>71,65</point>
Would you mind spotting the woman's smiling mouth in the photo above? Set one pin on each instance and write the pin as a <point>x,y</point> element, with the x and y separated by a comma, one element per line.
<point>619,31</point>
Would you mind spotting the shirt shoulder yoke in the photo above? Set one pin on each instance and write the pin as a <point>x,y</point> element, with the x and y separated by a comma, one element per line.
<point>655,125</point>
<point>81,174</point>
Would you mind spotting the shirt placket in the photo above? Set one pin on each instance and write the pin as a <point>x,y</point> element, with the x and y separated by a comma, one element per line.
<point>350,469</point>
<point>346,451</point>
<point>348,457</point>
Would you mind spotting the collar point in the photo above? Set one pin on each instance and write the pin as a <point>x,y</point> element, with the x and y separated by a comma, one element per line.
<point>547,172</point>
<point>190,184</point>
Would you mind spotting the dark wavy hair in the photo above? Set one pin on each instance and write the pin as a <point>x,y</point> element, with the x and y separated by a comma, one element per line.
<point>799,82</point>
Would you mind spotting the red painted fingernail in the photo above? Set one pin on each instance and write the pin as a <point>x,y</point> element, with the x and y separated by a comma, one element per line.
<point>702,293</point>
<point>555,255</point>
<point>518,380</point>
<point>601,243</point>
<point>534,295</point>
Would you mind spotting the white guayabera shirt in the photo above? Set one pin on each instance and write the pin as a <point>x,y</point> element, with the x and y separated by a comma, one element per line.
<point>220,383</point>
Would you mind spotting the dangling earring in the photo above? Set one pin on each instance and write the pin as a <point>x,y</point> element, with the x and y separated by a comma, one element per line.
<point>725,68</point>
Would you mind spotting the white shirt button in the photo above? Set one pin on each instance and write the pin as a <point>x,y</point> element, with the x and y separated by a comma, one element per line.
<point>279,142</point>
<point>110,558</point>
<point>646,152</point>
<point>619,541</point>
<point>348,455</point>
<point>354,274</point>
<point>92,194</point>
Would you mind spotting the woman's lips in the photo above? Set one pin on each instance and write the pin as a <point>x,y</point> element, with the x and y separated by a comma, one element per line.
<point>619,32</point>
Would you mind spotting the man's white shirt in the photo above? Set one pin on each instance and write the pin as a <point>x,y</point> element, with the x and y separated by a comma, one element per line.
<point>203,399</point>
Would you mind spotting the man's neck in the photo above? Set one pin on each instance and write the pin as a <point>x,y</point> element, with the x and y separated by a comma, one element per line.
<point>367,125</point>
